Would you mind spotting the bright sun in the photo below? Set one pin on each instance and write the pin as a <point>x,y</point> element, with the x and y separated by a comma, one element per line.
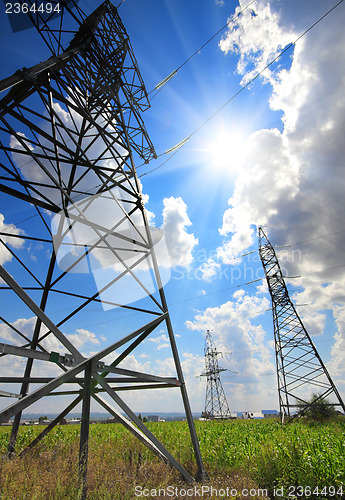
<point>226,151</point>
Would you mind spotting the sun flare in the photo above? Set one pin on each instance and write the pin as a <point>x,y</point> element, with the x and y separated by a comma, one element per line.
<point>226,151</point>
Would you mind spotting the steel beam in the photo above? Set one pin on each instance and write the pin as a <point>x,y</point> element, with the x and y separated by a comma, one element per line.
<point>128,425</point>
<point>39,313</point>
<point>52,424</point>
<point>84,429</point>
<point>143,428</point>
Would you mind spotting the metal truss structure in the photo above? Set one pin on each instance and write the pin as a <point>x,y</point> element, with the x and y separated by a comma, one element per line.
<point>70,129</point>
<point>216,405</point>
<point>301,372</point>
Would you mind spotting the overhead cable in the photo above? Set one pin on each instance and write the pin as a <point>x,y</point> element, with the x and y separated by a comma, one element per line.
<point>314,272</point>
<point>259,73</point>
<point>173,73</point>
<point>311,239</point>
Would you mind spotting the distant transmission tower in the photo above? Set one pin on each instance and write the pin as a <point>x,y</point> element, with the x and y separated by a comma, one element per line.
<point>70,129</point>
<point>216,405</point>
<point>300,370</point>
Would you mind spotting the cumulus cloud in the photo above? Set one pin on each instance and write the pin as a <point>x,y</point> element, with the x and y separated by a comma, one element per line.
<point>291,179</point>
<point>14,365</point>
<point>180,243</point>
<point>270,178</point>
<point>82,337</point>
<point>288,177</point>
<point>9,332</point>
<point>257,37</point>
<point>192,366</point>
<point>209,269</point>
<point>17,243</point>
<point>14,332</point>
<point>145,197</point>
<point>93,143</point>
<point>336,365</point>
<point>234,330</point>
<point>161,341</point>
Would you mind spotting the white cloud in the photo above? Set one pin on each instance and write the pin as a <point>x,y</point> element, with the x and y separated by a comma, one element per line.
<point>292,180</point>
<point>145,197</point>
<point>11,366</point>
<point>336,365</point>
<point>234,331</point>
<point>82,337</point>
<point>26,327</point>
<point>162,341</point>
<point>288,178</point>
<point>23,325</point>
<point>268,179</point>
<point>175,221</point>
<point>131,363</point>
<point>315,298</point>
<point>159,339</point>
<point>209,270</point>
<point>17,243</point>
<point>163,346</point>
<point>257,36</point>
<point>94,145</point>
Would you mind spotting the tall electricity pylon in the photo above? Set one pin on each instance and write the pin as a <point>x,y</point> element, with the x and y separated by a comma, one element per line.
<point>70,129</point>
<point>216,405</point>
<point>301,372</point>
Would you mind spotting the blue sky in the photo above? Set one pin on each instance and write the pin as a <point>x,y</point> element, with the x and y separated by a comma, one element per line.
<point>273,156</point>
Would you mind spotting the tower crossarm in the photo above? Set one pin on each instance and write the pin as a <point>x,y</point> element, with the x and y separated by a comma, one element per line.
<point>213,372</point>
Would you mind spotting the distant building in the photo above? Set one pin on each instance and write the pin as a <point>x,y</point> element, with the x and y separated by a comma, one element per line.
<point>270,413</point>
<point>7,423</point>
<point>73,420</point>
<point>252,415</point>
<point>112,420</point>
<point>205,418</point>
<point>152,418</point>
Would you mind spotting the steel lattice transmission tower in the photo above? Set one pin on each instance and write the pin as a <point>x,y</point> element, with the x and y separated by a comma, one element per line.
<point>301,372</point>
<point>216,405</point>
<point>70,130</point>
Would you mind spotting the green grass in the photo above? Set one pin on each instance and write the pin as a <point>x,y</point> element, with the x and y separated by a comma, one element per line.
<point>235,453</point>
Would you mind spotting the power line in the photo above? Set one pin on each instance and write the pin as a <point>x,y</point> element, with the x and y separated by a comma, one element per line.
<point>311,239</point>
<point>314,272</point>
<point>259,73</point>
<point>217,291</point>
<point>288,245</point>
<point>248,283</point>
<point>160,85</point>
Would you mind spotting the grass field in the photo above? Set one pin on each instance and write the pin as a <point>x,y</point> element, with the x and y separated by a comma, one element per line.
<point>300,460</point>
